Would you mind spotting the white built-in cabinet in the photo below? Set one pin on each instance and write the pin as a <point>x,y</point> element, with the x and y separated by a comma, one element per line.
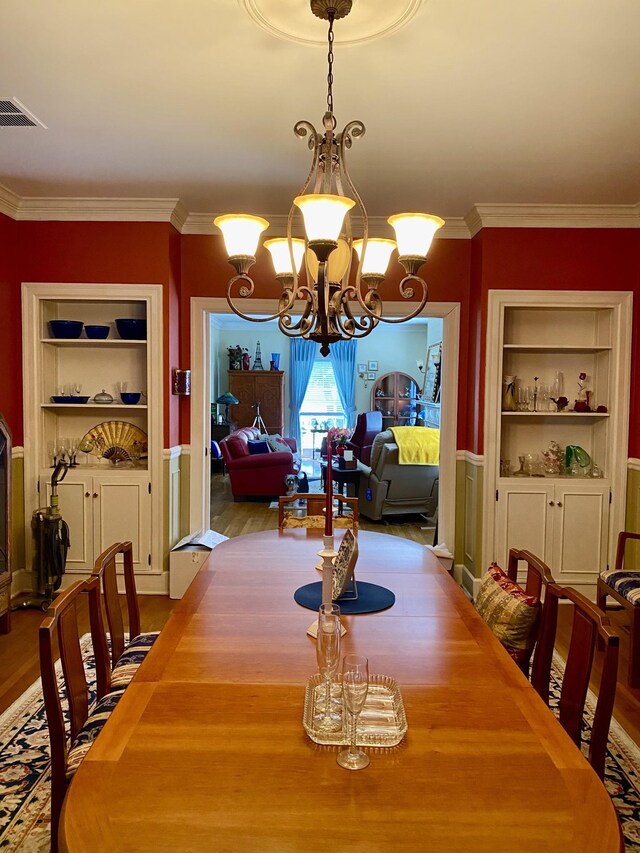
<point>570,522</point>
<point>102,503</point>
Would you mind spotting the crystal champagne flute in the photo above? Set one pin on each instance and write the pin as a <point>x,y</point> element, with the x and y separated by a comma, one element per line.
<point>328,656</point>
<point>355,684</point>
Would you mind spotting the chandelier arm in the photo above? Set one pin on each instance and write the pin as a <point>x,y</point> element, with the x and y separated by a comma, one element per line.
<point>407,293</point>
<point>285,321</point>
<point>354,130</point>
<point>245,293</point>
<point>354,326</point>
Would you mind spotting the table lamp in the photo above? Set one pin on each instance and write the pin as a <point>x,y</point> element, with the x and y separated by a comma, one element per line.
<point>227,399</point>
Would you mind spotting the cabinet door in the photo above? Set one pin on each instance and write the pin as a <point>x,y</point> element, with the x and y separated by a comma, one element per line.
<point>122,513</point>
<point>75,501</point>
<point>268,391</point>
<point>580,532</point>
<point>524,519</point>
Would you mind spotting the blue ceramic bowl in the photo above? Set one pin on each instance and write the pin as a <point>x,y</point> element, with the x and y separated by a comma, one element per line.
<point>130,397</point>
<point>132,330</point>
<point>97,333</point>
<point>65,328</point>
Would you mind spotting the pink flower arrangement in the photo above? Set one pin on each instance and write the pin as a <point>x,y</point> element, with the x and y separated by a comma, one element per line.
<point>339,435</point>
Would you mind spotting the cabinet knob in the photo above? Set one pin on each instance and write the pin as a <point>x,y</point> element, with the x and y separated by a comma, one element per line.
<point>559,503</point>
<point>87,494</point>
<point>551,503</point>
<point>95,494</point>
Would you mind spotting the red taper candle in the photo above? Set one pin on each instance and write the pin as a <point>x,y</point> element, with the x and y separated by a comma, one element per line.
<point>328,520</point>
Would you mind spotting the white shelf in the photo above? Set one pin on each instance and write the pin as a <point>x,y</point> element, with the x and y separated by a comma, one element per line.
<point>560,348</point>
<point>91,406</point>
<point>91,342</point>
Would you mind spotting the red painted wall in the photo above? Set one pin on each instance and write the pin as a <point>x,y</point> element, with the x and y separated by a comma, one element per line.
<point>11,333</point>
<point>558,259</point>
<point>112,252</point>
<point>193,265</point>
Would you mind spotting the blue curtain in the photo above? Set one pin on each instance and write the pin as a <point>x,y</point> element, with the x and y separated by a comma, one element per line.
<point>343,358</point>
<point>302,355</point>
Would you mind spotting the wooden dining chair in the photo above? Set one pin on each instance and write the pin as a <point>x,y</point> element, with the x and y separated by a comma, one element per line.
<point>537,580</point>
<point>61,628</point>
<point>589,624</point>
<point>126,656</point>
<point>290,515</point>
<point>623,584</point>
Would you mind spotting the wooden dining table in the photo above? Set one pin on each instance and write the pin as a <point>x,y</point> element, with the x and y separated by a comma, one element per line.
<point>207,752</point>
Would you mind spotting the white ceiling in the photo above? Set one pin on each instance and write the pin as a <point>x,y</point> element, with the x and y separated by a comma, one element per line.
<point>525,102</point>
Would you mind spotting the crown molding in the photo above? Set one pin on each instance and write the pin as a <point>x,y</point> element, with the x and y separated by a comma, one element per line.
<point>173,210</point>
<point>202,223</point>
<point>552,216</point>
<point>37,209</point>
<point>9,202</point>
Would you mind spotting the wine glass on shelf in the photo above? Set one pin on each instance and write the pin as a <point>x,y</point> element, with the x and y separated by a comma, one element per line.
<point>73,450</point>
<point>328,657</point>
<point>355,685</point>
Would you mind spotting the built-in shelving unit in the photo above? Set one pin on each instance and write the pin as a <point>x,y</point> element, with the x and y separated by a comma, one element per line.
<point>538,336</point>
<point>102,502</point>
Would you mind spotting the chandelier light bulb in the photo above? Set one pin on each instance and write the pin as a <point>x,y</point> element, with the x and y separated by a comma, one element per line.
<point>279,249</point>
<point>415,232</point>
<point>323,215</point>
<point>376,258</point>
<point>241,233</point>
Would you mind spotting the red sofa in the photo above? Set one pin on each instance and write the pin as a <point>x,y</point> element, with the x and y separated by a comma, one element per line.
<point>368,426</point>
<point>257,475</point>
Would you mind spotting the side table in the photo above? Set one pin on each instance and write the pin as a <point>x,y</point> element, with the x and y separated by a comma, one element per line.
<point>341,477</point>
<point>219,431</point>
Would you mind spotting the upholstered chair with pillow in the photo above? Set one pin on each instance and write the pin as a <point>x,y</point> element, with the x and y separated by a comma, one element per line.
<point>516,614</point>
<point>257,465</point>
<point>389,488</point>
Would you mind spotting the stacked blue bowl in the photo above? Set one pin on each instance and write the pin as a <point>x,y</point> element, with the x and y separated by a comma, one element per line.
<point>65,328</point>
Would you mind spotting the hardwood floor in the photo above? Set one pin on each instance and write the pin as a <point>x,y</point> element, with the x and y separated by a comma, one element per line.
<point>19,663</point>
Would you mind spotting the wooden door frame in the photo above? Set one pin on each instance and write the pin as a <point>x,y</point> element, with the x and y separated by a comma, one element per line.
<point>202,307</point>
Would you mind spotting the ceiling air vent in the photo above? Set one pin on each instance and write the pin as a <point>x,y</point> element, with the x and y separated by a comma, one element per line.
<point>15,114</point>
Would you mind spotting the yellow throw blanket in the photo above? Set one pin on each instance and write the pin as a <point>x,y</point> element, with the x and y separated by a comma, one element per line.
<point>417,445</point>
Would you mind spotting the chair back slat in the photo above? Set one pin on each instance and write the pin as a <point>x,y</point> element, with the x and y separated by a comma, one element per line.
<point>538,578</point>
<point>577,673</point>
<point>588,624</point>
<point>105,570</point>
<point>623,538</point>
<point>61,627</point>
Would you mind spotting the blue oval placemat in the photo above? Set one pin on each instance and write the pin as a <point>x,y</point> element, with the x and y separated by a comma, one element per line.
<point>371,598</point>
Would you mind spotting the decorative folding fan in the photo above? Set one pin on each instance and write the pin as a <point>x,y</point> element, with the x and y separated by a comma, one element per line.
<point>117,441</point>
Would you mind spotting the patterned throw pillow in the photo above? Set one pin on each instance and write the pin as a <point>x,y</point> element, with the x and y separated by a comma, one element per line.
<point>511,614</point>
<point>277,443</point>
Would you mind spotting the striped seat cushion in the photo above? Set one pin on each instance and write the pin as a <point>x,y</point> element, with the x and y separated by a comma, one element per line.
<point>626,584</point>
<point>133,655</point>
<point>91,729</point>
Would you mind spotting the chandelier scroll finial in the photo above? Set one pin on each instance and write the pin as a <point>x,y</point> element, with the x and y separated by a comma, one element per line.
<point>322,299</point>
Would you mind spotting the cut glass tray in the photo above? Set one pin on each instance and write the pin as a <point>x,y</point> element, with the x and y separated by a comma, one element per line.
<point>382,722</point>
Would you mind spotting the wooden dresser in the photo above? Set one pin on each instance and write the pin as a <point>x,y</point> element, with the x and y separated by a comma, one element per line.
<point>258,386</point>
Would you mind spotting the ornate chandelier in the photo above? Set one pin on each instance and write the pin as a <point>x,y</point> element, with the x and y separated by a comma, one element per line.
<point>326,303</point>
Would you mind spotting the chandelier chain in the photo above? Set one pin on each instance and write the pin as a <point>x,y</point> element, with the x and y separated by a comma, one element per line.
<point>331,15</point>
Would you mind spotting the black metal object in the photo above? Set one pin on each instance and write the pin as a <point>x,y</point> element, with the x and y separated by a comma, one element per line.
<point>51,539</point>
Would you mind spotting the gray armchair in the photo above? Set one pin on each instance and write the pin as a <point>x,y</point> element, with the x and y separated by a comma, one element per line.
<point>387,488</point>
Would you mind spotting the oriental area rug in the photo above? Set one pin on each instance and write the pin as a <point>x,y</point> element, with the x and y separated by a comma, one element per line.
<point>25,764</point>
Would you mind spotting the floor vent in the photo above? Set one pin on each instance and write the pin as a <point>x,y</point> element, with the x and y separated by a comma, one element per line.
<point>15,114</point>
